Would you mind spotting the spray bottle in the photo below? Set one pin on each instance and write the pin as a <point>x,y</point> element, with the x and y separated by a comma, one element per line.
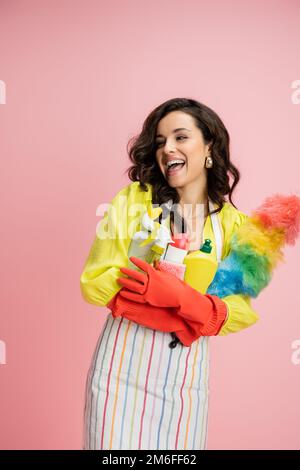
<point>142,241</point>
<point>158,249</point>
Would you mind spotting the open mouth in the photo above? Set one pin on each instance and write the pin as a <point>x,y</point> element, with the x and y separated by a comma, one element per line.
<point>175,167</point>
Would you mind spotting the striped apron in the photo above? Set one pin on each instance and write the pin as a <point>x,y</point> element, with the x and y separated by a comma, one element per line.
<point>141,394</point>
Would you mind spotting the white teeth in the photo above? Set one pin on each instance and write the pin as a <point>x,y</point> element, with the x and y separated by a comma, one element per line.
<point>171,162</point>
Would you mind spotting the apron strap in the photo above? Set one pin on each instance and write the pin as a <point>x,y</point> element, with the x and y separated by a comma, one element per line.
<point>216,226</point>
<point>218,232</point>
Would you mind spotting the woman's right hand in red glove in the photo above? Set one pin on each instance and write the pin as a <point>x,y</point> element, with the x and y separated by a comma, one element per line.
<point>158,288</point>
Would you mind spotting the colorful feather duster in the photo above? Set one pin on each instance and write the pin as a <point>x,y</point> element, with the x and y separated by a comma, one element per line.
<point>256,247</point>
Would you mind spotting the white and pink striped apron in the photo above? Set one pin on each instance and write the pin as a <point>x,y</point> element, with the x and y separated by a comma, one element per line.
<point>143,395</point>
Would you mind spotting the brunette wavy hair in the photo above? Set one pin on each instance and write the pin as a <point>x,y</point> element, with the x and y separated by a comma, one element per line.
<point>142,153</point>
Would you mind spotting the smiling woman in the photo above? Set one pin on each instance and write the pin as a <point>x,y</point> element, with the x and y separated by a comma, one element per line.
<point>189,131</point>
<point>132,398</point>
<point>180,151</point>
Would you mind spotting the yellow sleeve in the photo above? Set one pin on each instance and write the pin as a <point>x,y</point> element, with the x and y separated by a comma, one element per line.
<point>240,314</point>
<point>109,251</point>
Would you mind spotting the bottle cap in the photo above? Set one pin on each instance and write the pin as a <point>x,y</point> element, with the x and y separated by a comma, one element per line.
<point>206,247</point>
<point>181,242</point>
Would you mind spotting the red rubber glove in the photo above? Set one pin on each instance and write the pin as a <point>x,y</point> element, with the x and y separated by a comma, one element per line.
<point>204,315</point>
<point>156,318</point>
<point>158,288</point>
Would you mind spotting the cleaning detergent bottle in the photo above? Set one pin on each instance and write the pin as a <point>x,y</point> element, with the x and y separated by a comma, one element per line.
<point>201,267</point>
<point>174,256</point>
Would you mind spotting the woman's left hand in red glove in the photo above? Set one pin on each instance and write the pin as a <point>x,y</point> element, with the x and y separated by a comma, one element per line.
<point>157,318</point>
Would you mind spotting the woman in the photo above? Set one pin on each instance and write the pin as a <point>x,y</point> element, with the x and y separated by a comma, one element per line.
<point>141,391</point>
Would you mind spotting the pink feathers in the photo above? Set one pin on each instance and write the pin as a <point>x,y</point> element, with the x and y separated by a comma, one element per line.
<point>282,213</point>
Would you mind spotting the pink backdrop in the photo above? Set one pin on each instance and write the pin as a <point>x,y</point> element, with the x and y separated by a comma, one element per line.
<point>80,78</point>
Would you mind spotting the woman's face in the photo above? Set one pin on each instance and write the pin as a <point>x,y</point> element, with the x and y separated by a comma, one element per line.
<point>186,145</point>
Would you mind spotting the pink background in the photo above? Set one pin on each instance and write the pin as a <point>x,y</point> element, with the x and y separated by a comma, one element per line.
<point>80,77</point>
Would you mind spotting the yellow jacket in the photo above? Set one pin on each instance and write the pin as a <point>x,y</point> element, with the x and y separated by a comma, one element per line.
<point>98,281</point>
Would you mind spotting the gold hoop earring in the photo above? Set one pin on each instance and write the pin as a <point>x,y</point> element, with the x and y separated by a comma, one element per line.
<point>208,162</point>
